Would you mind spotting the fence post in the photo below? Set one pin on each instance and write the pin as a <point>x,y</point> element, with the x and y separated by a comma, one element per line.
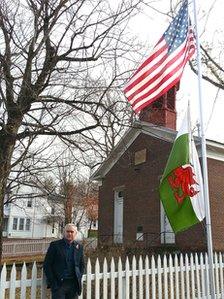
<point>159,279</point>
<point>112,279</point>
<point>23,281</point>
<point>89,280</point>
<point>43,286</point>
<point>120,280</point>
<point>12,290</point>
<point>140,277</point>
<point>166,277</point>
<point>221,273</point>
<point>134,275</point>
<point>34,281</point>
<point>147,272</point>
<point>153,265</point>
<point>97,280</point>
<point>127,279</point>
<point>124,290</point>
<point>2,281</point>
<point>105,283</point>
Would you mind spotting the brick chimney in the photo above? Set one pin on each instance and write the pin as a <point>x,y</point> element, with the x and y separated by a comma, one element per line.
<point>162,112</point>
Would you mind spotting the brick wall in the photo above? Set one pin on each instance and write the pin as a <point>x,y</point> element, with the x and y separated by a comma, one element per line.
<point>216,191</point>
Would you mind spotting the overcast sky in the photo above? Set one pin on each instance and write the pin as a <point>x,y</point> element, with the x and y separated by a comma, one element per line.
<point>150,25</point>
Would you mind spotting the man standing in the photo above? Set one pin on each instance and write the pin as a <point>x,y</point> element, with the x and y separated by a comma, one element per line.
<point>64,265</point>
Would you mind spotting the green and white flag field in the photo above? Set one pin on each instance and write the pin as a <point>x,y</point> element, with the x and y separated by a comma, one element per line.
<point>181,187</point>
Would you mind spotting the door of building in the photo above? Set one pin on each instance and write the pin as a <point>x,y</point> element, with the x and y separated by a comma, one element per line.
<point>118,217</point>
<point>167,234</point>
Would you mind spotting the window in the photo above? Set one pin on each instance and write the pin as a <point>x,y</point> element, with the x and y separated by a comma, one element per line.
<point>29,203</point>
<point>171,98</point>
<point>15,223</point>
<point>139,234</point>
<point>120,193</point>
<point>52,228</point>
<point>61,227</point>
<point>157,104</point>
<point>5,224</point>
<point>21,223</point>
<point>28,224</point>
<point>140,157</point>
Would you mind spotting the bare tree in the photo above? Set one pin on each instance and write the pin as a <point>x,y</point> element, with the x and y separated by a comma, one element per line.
<point>53,56</point>
<point>91,203</point>
<point>100,142</point>
<point>72,197</point>
<point>213,70</point>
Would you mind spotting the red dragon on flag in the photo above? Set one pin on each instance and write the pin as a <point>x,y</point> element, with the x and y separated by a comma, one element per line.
<point>182,182</point>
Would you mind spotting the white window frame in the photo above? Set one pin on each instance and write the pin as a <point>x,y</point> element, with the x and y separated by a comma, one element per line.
<point>21,220</point>
<point>29,203</point>
<point>16,224</point>
<point>29,227</point>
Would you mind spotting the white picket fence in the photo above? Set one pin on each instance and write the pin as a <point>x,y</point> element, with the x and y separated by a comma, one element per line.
<point>168,277</point>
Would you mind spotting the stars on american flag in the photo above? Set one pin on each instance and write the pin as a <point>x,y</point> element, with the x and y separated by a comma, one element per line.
<point>178,29</point>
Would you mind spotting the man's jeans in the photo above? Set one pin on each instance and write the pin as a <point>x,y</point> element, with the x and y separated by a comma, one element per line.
<point>66,291</point>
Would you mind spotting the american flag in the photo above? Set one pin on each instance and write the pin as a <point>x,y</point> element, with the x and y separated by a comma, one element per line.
<point>164,68</point>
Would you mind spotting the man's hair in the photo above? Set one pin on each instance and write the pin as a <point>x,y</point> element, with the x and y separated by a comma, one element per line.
<point>70,225</point>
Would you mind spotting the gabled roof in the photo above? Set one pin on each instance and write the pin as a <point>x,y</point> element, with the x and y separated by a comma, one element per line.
<point>215,150</point>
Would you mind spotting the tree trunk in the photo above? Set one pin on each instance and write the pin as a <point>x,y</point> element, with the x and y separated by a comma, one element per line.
<point>69,202</point>
<point>3,181</point>
<point>7,144</point>
<point>68,211</point>
<point>1,222</point>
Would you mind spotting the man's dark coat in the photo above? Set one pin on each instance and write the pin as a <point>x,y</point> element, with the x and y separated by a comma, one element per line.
<point>55,264</point>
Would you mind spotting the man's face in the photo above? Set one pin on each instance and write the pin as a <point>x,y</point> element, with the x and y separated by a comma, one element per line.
<point>70,234</point>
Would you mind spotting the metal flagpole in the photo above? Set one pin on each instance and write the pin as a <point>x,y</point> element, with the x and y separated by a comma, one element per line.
<point>204,162</point>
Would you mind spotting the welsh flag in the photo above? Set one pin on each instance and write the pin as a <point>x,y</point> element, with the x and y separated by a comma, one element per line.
<point>181,187</point>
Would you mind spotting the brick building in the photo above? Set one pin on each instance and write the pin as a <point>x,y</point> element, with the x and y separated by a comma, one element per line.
<point>130,212</point>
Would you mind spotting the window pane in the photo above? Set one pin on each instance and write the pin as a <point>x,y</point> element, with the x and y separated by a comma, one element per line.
<point>29,203</point>
<point>27,224</point>
<point>52,228</point>
<point>5,224</point>
<point>15,222</point>
<point>21,224</point>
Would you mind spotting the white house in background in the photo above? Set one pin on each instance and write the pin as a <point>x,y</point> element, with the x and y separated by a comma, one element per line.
<point>34,218</point>
<point>27,218</point>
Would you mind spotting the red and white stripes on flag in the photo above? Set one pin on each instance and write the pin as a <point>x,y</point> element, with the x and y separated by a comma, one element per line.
<point>164,68</point>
